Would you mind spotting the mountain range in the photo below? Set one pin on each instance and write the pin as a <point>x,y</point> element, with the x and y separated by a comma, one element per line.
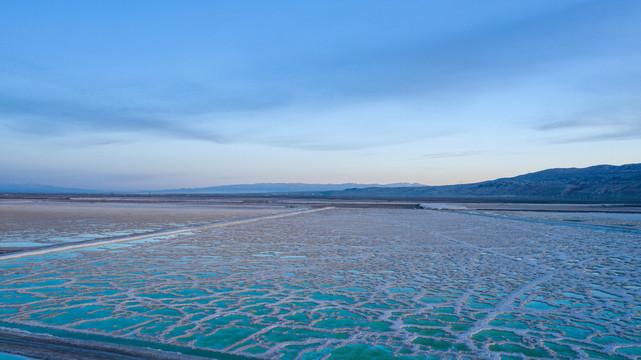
<point>602,183</point>
<point>261,188</point>
<point>596,183</point>
<point>270,188</point>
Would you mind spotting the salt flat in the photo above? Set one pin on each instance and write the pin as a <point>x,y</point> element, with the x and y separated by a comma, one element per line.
<point>34,223</point>
<point>348,283</point>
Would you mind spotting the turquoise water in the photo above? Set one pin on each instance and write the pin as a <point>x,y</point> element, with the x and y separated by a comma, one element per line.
<point>5,356</point>
<point>346,283</point>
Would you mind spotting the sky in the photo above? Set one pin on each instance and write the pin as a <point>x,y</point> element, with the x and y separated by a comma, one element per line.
<point>146,95</point>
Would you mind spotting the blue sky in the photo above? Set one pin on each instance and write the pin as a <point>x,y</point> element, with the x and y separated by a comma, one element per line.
<point>126,95</point>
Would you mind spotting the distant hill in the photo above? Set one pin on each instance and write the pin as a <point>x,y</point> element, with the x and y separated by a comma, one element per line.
<point>602,183</point>
<point>263,188</point>
<point>270,188</point>
<point>596,183</point>
<point>43,189</point>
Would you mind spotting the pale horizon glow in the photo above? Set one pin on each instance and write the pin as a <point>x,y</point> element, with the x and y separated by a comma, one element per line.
<point>128,95</point>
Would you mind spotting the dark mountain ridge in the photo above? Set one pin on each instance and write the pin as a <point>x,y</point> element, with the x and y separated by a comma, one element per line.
<point>265,188</point>
<point>601,183</point>
<point>596,183</point>
<point>261,188</point>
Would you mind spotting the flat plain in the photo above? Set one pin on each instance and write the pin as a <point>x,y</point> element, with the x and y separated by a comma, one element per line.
<point>341,283</point>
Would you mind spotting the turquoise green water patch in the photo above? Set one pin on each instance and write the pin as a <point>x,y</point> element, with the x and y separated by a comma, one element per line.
<point>113,324</point>
<point>261,286</point>
<point>299,305</point>
<point>401,290</point>
<point>571,331</point>
<point>511,324</point>
<point>291,352</point>
<point>7,356</point>
<point>428,332</point>
<point>460,327</point>
<point>55,291</point>
<point>158,296</point>
<point>166,312</point>
<point>561,350</point>
<point>222,304</point>
<point>279,334</point>
<point>14,297</point>
<point>420,320</point>
<point>258,310</point>
<point>332,297</point>
<point>601,355</point>
<point>496,335</point>
<point>252,293</point>
<point>433,343</point>
<point>255,350</point>
<point>602,294</point>
<point>479,305</point>
<point>223,338</point>
<point>6,311</point>
<point>186,302</point>
<point>435,299</point>
<point>505,316</point>
<point>611,339</point>
<point>315,355</point>
<point>155,327</point>
<point>71,315</point>
<point>579,344</point>
<point>188,337</point>
<point>510,357</point>
<point>593,326</point>
<point>573,295</point>
<point>376,305</point>
<point>630,350</point>
<point>341,313</point>
<point>179,331</point>
<point>259,301</point>
<point>304,318</point>
<point>539,305</point>
<point>361,351</point>
<point>197,316</point>
<point>38,284</point>
<point>139,309</point>
<point>512,348</point>
<point>342,323</point>
<point>354,289</point>
<point>446,318</point>
<point>237,320</point>
<point>92,284</point>
<point>266,321</point>
<point>103,292</point>
<point>442,310</point>
<point>189,293</point>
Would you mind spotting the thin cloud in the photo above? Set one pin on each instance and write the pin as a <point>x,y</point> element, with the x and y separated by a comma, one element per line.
<point>451,154</point>
<point>449,68</point>
<point>56,117</point>
<point>617,121</point>
<point>629,133</point>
